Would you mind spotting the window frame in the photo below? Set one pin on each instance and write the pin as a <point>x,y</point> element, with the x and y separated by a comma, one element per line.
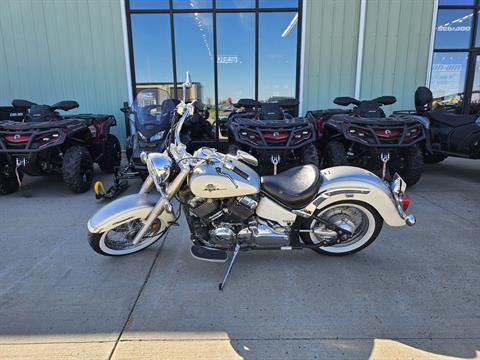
<point>471,50</point>
<point>257,10</point>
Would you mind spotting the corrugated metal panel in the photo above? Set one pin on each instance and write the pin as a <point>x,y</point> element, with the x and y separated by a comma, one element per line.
<point>331,37</point>
<point>397,41</point>
<point>52,50</point>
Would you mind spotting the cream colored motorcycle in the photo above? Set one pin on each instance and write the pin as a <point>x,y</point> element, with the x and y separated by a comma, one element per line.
<point>230,208</point>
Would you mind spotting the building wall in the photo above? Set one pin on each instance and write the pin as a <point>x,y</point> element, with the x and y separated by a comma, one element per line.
<point>395,52</point>
<point>52,50</point>
<point>331,40</point>
<point>396,49</point>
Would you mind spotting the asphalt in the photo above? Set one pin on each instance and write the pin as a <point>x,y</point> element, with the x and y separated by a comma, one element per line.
<point>413,294</point>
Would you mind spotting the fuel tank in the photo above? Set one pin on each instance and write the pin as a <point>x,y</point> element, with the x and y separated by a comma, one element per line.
<point>206,182</point>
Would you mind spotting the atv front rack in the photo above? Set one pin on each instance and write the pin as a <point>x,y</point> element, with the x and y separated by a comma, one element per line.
<point>284,134</point>
<point>394,131</point>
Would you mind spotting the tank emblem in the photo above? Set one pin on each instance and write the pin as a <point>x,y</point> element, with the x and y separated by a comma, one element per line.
<point>211,187</point>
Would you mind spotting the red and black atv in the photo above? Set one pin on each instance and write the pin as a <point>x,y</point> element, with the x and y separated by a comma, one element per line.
<point>45,143</point>
<point>365,137</point>
<point>269,132</point>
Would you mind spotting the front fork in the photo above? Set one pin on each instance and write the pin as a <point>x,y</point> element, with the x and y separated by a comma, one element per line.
<point>163,204</point>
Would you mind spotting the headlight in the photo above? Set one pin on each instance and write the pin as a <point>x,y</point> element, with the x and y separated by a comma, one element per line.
<point>159,166</point>
<point>157,136</point>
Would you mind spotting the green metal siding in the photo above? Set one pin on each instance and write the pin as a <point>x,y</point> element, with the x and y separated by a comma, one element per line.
<point>52,50</point>
<point>396,49</point>
<point>331,38</point>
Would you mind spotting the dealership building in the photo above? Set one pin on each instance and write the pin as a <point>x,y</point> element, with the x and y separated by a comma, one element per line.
<point>101,52</point>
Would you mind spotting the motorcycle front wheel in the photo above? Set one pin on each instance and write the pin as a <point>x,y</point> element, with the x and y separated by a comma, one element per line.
<point>357,217</point>
<point>118,241</point>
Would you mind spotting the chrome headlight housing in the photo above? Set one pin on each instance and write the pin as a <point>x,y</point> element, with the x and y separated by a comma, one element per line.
<point>159,166</point>
<point>157,136</point>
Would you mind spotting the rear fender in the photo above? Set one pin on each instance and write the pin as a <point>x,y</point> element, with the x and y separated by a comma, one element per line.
<point>125,209</point>
<point>342,183</point>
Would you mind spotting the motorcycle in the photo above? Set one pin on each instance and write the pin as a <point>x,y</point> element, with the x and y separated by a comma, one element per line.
<point>364,136</point>
<point>147,122</point>
<point>230,208</point>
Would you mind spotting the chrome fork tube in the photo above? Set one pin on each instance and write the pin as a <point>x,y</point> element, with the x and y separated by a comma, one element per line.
<point>163,203</point>
<point>147,185</point>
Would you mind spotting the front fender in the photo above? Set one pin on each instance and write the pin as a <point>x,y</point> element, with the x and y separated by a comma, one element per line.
<point>136,206</point>
<point>342,183</point>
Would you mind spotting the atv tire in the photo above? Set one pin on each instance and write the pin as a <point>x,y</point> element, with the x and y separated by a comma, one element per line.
<point>309,155</point>
<point>112,155</point>
<point>77,169</point>
<point>8,184</point>
<point>335,154</point>
<point>411,167</point>
<point>434,158</point>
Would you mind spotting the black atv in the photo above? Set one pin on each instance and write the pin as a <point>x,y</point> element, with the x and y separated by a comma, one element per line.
<point>45,143</point>
<point>364,136</point>
<point>269,132</point>
<point>448,133</point>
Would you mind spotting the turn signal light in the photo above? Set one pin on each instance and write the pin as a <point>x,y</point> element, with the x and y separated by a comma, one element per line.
<point>405,201</point>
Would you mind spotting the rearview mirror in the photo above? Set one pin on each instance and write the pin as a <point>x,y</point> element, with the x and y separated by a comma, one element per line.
<point>345,101</point>
<point>186,85</point>
<point>247,158</point>
<point>386,100</point>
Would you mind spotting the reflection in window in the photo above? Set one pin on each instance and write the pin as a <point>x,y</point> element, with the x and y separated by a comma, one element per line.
<point>235,4</point>
<point>152,48</point>
<point>277,56</point>
<point>236,58</point>
<point>192,4</point>
<point>149,4</point>
<point>456,2</point>
<point>278,3</point>
<point>448,78</point>
<point>453,29</point>
<point>475,101</point>
<point>194,53</point>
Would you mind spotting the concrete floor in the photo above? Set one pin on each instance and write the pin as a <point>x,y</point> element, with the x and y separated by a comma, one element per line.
<point>413,294</point>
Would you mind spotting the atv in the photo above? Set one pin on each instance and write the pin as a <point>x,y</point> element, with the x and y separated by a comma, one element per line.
<point>448,133</point>
<point>365,137</point>
<point>270,133</point>
<point>46,143</point>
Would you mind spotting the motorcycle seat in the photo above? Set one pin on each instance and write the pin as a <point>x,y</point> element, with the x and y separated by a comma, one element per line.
<point>295,187</point>
<point>450,119</point>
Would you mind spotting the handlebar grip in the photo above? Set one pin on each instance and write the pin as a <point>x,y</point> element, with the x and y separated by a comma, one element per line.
<point>240,173</point>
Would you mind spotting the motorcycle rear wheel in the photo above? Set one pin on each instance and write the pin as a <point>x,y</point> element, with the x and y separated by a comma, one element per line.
<point>358,216</point>
<point>117,241</point>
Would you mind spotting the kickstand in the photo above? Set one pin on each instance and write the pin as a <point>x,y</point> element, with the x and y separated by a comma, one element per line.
<point>235,253</point>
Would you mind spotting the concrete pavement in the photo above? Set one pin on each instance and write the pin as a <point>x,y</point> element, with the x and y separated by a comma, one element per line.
<point>413,294</point>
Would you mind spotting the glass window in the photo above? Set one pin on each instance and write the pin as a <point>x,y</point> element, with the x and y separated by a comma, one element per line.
<point>278,3</point>
<point>448,78</point>
<point>456,2</point>
<point>236,58</point>
<point>152,48</point>
<point>453,29</point>
<point>277,56</point>
<point>194,53</point>
<point>192,4</point>
<point>235,4</point>
<point>149,4</point>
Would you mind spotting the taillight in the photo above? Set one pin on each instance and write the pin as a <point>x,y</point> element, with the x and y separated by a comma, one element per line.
<point>405,201</point>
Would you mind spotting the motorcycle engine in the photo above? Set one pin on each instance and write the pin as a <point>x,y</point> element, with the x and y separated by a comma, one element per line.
<point>231,220</point>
